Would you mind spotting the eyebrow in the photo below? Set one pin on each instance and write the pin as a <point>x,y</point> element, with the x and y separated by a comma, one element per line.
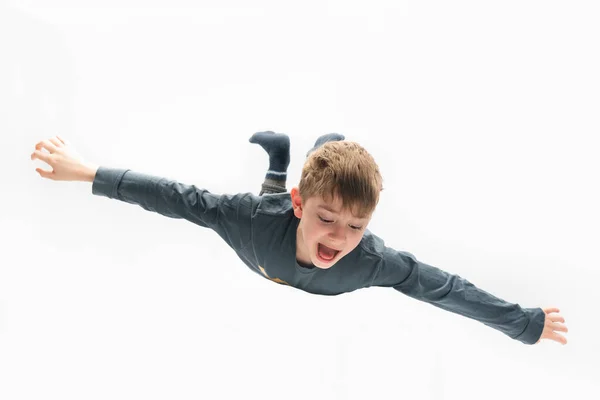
<point>335,212</point>
<point>328,209</point>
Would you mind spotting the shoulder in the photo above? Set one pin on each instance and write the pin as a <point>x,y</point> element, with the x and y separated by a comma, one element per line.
<point>274,215</point>
<point>238,203</point>
<point>372,244</point>
<point>391,265</point>
<point>375,245</point>
<point>279,204</point>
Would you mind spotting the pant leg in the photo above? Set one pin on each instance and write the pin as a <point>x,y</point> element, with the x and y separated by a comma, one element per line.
<point>268,188</point>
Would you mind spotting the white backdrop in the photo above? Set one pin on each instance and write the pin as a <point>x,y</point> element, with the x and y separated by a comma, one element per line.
<point>483,117</point>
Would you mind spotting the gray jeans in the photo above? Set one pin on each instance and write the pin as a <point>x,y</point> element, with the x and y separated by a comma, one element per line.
<point>269,188</point>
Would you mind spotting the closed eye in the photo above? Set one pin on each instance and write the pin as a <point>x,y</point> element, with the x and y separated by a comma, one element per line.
<point>356,228</point>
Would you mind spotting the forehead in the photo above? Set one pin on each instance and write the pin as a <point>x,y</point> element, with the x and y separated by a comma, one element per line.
<point>334,207</point>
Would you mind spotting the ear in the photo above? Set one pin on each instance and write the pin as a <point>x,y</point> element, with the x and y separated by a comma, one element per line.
<point>296,202</point>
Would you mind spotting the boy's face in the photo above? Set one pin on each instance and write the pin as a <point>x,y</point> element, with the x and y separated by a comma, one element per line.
<point>323,223</point>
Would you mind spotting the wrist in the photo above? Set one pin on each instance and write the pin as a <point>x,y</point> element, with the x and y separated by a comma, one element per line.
<point>89,172</point>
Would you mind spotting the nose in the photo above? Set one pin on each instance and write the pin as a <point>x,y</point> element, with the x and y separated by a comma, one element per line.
<point>337,234</point>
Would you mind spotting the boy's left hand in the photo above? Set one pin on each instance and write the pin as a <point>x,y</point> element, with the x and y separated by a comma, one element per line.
<point>552,324</point>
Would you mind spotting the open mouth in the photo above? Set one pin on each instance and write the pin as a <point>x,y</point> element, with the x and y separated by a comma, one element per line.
<point>326,254</point>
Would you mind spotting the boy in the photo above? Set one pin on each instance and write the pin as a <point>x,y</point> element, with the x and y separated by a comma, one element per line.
<point>314,238</point>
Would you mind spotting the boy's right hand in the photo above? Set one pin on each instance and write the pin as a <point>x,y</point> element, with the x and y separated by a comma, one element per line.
<point>67,164</point>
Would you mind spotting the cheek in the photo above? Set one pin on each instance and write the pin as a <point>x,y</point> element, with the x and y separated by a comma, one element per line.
<point>314,233</point>
<point>355,241</point>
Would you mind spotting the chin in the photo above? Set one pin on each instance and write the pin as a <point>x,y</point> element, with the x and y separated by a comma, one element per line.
<point>323,266</point>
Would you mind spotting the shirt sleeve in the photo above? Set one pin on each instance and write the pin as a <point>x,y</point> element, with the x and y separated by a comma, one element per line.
<point>228,215</point>
<point>403,272</point>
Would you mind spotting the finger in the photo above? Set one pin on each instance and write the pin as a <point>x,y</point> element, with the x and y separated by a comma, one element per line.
<point>66,142</point>
<point>46,145</point>
<point>40,155</point>
<point>45,174</point>
<point>557,319</point>
<point>551,310</point>
<point>56,142</point>
<point>558,338</point>
<point>559,327</point>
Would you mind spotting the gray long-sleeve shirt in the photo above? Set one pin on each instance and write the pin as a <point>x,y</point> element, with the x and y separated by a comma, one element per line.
<point>262,231</point>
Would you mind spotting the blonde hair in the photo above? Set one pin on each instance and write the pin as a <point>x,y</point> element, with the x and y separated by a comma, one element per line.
<point>346,170</point>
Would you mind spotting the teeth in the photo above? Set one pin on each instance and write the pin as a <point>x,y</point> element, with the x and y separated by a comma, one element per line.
<point>329,247</point>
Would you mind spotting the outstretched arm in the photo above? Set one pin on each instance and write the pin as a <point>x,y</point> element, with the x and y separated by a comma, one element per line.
<point>403,272</point>
<point>228,215</point>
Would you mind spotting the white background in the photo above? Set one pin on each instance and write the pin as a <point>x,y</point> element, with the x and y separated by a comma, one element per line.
<point>484,120</point>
